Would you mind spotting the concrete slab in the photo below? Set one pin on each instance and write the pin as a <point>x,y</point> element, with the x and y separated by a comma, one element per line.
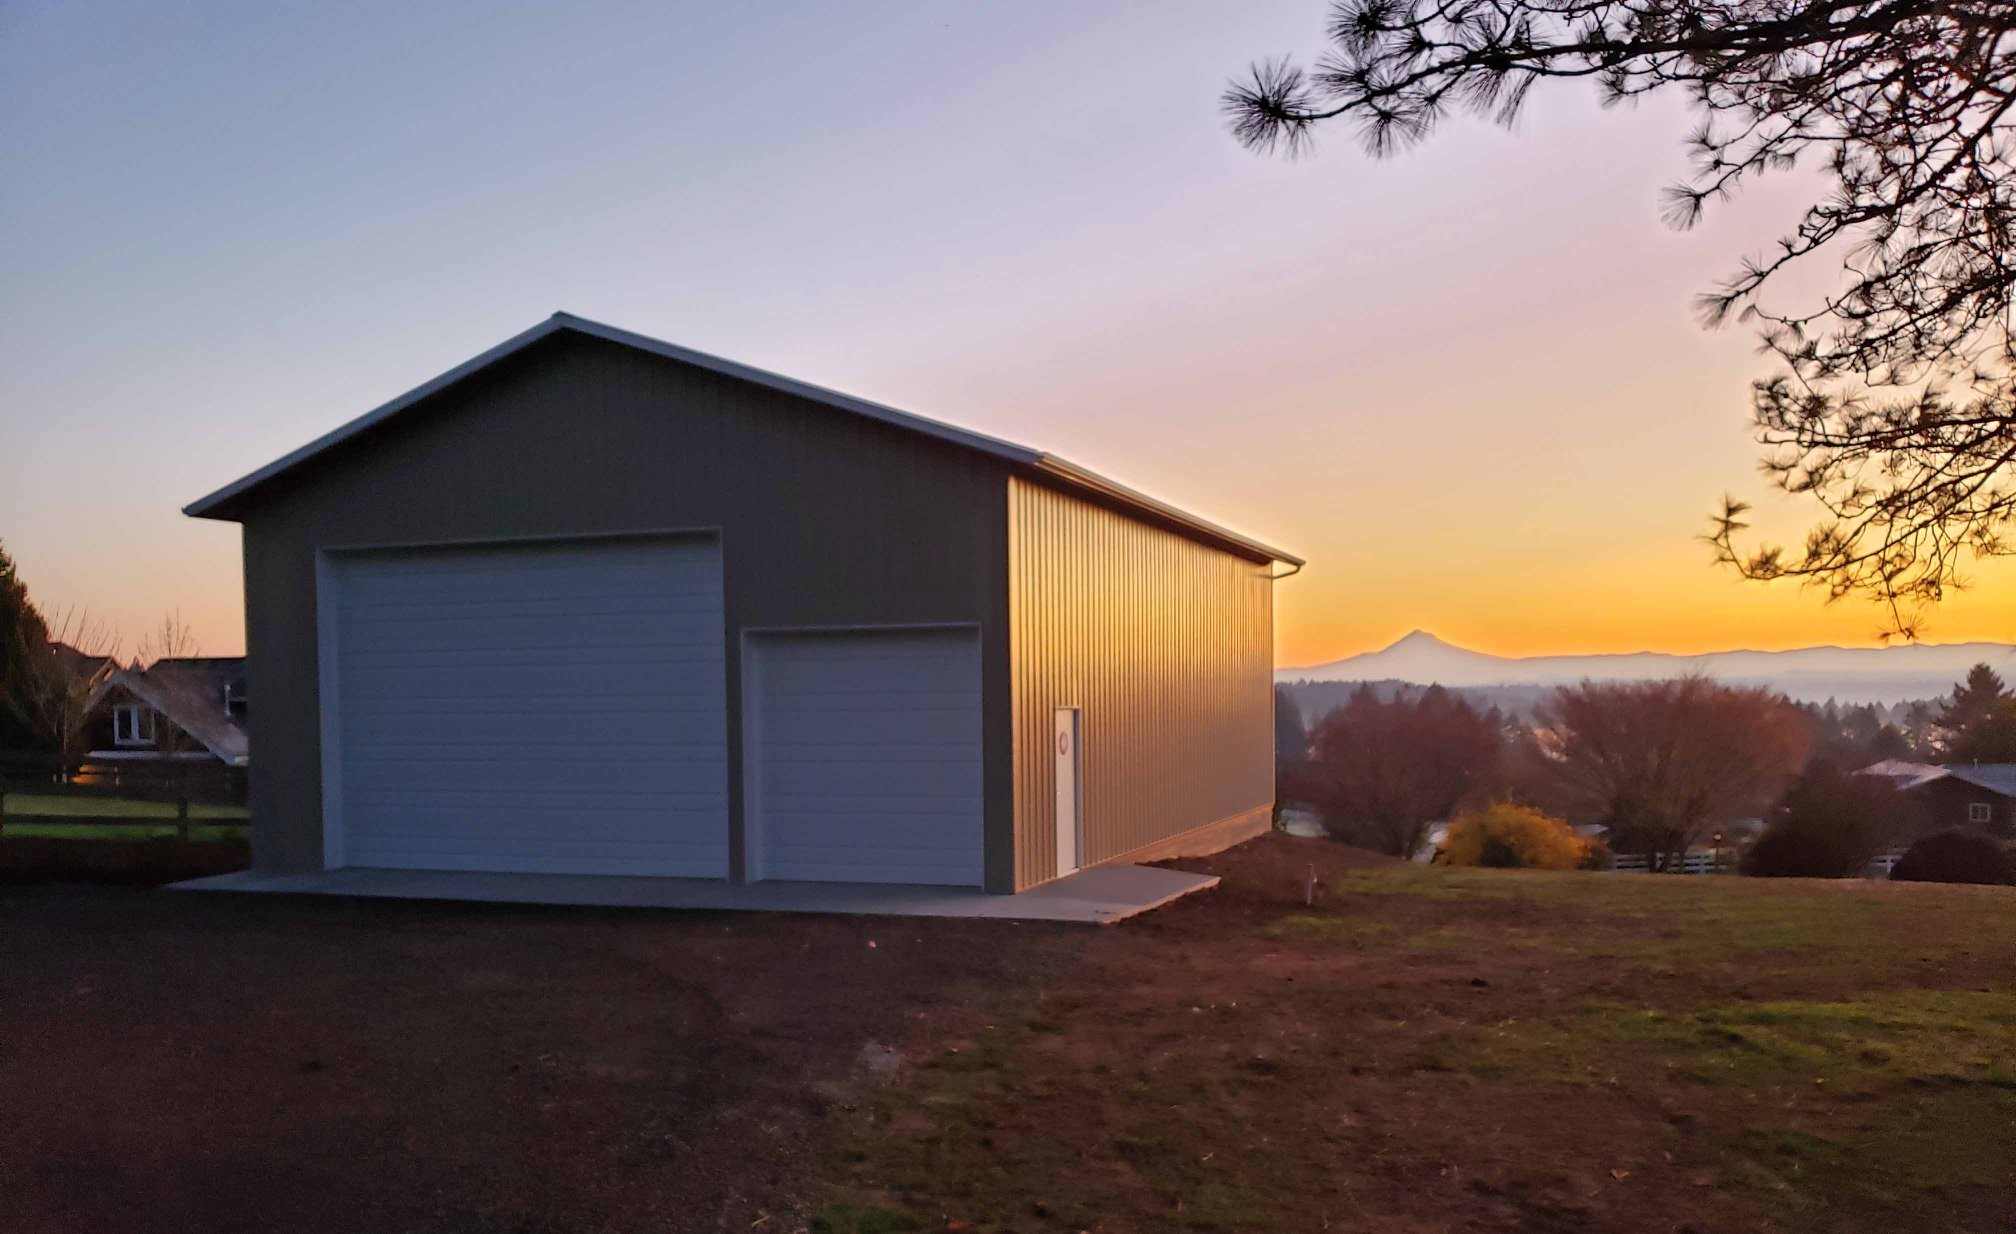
<point>1098,896</point>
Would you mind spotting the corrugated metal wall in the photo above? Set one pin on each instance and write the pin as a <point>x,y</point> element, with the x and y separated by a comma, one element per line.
<point>825,519</point>
<point>1166,645</point>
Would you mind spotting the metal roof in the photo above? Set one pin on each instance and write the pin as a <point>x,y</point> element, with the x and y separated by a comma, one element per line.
<point>1067,472</point>
<point>1997,778</point>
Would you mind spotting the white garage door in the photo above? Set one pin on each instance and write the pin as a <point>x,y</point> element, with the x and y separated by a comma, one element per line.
<point>557,708</point>
<point>864,757</point>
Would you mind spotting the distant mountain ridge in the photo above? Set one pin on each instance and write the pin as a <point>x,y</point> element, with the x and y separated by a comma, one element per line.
<point>1808,674</point>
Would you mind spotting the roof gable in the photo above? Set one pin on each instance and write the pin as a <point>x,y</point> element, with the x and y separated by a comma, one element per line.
<point>185,705</point>
<point>1069,474</point>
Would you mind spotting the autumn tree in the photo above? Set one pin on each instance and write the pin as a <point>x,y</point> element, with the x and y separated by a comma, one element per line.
<point>1380,772</point>
<point>1505,836</point>
<point>1659,762</point>
<point>1894,407</point>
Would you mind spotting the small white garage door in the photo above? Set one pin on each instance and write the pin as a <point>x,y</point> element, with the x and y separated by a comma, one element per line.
<point>557,708</point>
<point>864,757</point>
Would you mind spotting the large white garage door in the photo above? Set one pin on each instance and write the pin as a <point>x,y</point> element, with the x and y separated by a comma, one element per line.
<point>557,708</point>
<point>864,757</point>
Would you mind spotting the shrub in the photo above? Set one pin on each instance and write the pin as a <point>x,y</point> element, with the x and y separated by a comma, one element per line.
<point>1829,826</point>
<point>1956,856</point>
<point>1510,837</point>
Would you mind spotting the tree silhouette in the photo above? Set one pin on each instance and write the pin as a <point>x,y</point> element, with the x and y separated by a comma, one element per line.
<point>1658,761</point>
<point>1895,409</point>
<point>1380,773</point>
<point>1977,723</point>
<point>24,644</point>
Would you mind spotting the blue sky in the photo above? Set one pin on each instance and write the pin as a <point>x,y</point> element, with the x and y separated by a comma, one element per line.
<point>1466,383</point>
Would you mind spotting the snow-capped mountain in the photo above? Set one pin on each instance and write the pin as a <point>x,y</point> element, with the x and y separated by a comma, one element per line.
<point>1810,674</point>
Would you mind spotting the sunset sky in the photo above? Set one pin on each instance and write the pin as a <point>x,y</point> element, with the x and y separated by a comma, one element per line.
<point>1466,383</point>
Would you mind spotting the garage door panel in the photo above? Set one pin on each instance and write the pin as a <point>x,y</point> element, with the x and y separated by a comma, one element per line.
<point>622,732</point>
<point>541,708</point>
<point>866,757</point>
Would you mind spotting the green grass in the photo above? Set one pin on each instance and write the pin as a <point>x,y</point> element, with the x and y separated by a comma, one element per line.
<point>79,805</point>
<point>210,821</point>
<point>838,1218</point>
<point>1742,1054</point>
<point>199,832</point>
<point>1853,1048</point>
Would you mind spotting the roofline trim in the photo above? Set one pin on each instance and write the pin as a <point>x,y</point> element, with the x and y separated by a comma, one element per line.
<point>1079,477</point>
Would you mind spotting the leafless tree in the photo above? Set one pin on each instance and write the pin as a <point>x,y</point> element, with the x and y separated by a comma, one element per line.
<point>1896,406</point>
<point>1381,771</point>
<point>1659,761</point>
<point>171,640</point>
<point>81,652</point>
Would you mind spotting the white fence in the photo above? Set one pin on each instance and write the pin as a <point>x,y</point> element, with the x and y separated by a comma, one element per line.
<point>1698,862</point>
<point>1703,861</point>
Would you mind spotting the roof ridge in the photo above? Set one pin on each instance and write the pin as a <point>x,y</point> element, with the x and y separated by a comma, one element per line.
<point>210,505</point>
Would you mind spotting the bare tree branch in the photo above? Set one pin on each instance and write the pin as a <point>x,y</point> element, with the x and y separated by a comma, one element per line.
<point>1896,409</point>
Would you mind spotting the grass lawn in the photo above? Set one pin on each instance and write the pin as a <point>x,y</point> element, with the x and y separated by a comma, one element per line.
<point>1426,1049</point>
<point>225,821</point>
<point>110,807</point>
<point>200,833</point>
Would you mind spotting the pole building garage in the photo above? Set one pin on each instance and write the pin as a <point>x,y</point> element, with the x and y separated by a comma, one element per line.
<point>595,604</point>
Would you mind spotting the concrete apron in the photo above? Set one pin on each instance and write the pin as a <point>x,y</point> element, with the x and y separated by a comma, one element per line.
<point>1098,896</point>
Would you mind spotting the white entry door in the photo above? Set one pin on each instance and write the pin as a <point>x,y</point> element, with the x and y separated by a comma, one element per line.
<point>863,756</point>
<point>1070,811</point>
<point>544,708</point>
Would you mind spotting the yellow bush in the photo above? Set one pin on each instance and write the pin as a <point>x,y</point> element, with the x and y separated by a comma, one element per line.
<point>1509,835</point>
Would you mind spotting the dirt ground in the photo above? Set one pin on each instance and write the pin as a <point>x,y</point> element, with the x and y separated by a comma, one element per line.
<point>1417,1050</point>
<point>172,1061</point>
<point>129,863</point>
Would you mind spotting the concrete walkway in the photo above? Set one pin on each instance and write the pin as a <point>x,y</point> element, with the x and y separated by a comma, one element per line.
<point>1098,896</point>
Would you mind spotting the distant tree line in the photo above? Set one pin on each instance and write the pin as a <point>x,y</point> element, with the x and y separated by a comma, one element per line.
<point>1661,765</point>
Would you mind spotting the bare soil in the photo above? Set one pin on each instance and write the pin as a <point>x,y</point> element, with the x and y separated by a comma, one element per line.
<point>176,1061</point>
<point>1416,1050</point>
<point>117,862</point>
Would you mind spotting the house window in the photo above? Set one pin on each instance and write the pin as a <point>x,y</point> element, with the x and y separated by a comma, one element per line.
<point>1980,812</point>
<point>133,724</point>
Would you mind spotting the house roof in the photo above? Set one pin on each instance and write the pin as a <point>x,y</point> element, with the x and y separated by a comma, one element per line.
<point>1068,473</point>
<point>186,699</point>
<point>221,677</point>
<point>1998,778</point>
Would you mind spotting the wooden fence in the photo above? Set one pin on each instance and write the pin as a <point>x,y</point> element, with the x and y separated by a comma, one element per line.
<point>189,803</point>
<point>206,781</point>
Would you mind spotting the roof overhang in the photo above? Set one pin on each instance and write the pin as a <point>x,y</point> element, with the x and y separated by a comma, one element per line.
<point>1069,474</point>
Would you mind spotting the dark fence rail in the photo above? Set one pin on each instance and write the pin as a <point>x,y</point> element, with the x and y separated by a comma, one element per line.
<point>209,782</point>
<point>181,827</point>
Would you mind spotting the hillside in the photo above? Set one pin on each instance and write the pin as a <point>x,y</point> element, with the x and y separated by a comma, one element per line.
<point>1808,674</point>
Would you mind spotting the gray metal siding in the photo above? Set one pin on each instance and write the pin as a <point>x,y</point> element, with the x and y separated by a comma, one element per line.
<point>825,519</point>
<point>1167,646</point>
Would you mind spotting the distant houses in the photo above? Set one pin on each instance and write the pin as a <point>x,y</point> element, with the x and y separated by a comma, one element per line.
<point>177,725</point>
<point>1977,796</point>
